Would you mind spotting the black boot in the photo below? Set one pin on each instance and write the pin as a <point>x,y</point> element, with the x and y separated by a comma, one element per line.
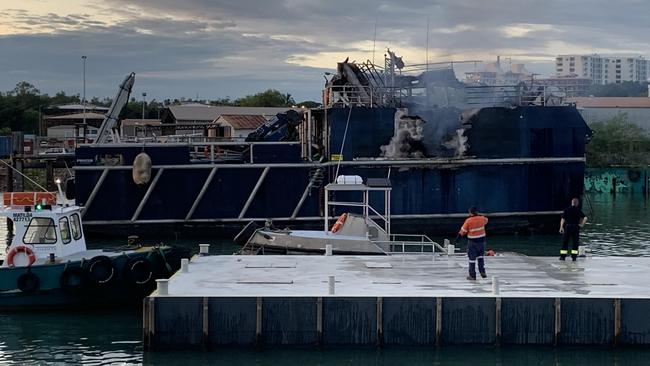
<point>562,257</point>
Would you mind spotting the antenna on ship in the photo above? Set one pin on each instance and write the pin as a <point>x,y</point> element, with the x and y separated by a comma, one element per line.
<point>374,41</point>
<point>427,48</point>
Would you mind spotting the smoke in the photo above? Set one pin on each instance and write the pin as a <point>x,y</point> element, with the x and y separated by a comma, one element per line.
<point>457,143</point>
<point>407,140</point>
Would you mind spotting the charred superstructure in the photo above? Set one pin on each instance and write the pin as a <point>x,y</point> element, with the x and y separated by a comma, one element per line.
<point>515,152</point>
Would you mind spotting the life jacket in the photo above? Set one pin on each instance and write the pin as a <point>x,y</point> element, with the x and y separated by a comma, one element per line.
<point>474,227</point>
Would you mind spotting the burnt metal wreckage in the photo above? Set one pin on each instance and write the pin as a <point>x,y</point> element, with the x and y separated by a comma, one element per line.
<point>516,152</point>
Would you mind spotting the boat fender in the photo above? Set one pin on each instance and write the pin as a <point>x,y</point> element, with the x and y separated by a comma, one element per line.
<point>141,169</point>
<point>100,270</point>
<point>138,271</point>
<point>72,279</point>
<point>339,223</point>
<point>245,234</point>
<point>27,282</point>
<point>20,249</point>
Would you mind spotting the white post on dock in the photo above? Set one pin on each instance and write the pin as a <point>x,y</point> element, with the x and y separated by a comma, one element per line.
<point>204,249</point>
<point>185,265</point>
<point>582,251</point>
<point>162,286</point>
<point>451,248</point>
<point>495,285</point>
<point>330,284</point>
<point>328,249</point>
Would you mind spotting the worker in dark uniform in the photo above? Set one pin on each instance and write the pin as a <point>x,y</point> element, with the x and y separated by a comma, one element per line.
<point>474,228</point>
<point>572,220</point>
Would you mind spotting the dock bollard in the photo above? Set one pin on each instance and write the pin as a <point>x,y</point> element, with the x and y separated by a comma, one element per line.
<point>162,286</point>
<point>204,249</point>
<point>451,248</point>
<point>495,285</point>
<point>328,249</point>
<point>185,265</point>
<point>330,284</point>
<point>582,251</point>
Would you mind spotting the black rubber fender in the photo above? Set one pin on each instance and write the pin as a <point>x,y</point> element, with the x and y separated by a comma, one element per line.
<point>100,270</point>
<point>73,279</point>
<point>242,238</point>
<point>138,271</point>
<point>28,282</point>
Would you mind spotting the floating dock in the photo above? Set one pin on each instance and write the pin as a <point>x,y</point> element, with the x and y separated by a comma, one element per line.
<point>407,300</point>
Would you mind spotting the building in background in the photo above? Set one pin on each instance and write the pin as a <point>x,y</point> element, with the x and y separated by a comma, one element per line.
<point>603,69</point>
<point>236,126</point>
<point>136,128</point>
<point>571,86</point>
<point>599,109</point>
<point>495,73</point>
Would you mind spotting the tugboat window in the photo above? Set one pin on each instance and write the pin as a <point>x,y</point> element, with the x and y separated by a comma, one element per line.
<point>76,226</point>
<point>64,228</point>
<point>41,230</point>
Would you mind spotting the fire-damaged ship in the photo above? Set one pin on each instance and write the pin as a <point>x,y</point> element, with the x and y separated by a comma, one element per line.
<point>515,152</point>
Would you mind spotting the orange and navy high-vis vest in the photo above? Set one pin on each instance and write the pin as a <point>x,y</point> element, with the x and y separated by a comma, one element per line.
<point>474,227</point>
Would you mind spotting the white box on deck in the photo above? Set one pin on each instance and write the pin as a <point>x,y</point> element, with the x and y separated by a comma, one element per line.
<point>349,179</point>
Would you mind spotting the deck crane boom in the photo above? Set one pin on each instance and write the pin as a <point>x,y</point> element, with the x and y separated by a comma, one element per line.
<point>109,125</point>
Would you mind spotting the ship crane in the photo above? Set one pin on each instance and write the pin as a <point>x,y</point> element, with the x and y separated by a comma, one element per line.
<point>111,119</point>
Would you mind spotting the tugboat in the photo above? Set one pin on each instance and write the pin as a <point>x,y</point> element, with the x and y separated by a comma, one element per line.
<point>48,265</point>
<point>364,231</point>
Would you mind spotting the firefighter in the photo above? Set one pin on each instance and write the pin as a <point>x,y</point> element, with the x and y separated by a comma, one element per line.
<point>572,220</point>
<point>474,228</point>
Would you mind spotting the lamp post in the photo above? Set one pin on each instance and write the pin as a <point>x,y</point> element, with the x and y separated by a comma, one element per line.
<point>144,96</point>
<point>84,88</point>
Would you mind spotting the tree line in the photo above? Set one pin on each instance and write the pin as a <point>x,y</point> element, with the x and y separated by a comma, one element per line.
<point>22,107</point>
<point>617,141</point>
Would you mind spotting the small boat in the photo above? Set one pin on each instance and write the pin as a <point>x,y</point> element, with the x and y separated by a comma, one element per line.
<point>47,264</point>
<point>363,231</point>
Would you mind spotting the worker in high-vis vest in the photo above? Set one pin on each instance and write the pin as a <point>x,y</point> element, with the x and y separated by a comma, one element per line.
<point>474,228</point>
<point>572,220</point>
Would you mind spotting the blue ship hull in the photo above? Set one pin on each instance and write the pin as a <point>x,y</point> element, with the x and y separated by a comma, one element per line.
<point>522,167</point>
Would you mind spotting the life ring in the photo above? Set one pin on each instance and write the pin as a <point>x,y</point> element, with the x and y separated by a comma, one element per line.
<point>20,249</point>
<point>100,270</point>
<point>138,271</point>
<point>339,223</point>
<point>72,279</point>
<point>27,282</point>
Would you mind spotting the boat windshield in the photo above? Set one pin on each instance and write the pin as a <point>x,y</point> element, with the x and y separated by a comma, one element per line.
<point>41,230</point>
<point>76,226</point>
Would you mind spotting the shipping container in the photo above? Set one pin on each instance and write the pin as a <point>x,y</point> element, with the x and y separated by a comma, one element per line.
<point>5,146</point>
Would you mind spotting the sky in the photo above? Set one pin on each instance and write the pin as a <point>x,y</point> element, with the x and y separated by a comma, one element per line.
<point>215,49</point>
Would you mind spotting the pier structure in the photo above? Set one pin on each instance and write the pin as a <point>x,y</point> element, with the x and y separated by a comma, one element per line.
<point>407,300</point>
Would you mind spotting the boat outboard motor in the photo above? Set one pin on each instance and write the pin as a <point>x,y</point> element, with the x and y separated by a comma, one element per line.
<point>282,127</point>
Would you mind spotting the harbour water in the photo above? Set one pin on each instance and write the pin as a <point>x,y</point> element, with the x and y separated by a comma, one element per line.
<point>618,226</point>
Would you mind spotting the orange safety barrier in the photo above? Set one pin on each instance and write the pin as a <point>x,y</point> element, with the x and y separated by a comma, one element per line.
<point>28,198</point>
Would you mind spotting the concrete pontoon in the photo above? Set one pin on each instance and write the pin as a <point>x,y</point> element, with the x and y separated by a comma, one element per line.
<point>400,300</point>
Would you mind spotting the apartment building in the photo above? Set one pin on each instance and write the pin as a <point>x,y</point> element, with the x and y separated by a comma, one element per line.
<point>603,69</point>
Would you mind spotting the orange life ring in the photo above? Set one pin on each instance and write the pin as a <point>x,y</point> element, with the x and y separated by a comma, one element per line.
<point>339,223</point>
<point>21,248</point>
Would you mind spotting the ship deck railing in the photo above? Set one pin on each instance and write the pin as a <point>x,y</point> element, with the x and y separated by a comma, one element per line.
<point>409,244</point>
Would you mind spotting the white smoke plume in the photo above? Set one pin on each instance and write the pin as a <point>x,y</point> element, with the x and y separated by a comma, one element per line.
<point>408,133</point>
